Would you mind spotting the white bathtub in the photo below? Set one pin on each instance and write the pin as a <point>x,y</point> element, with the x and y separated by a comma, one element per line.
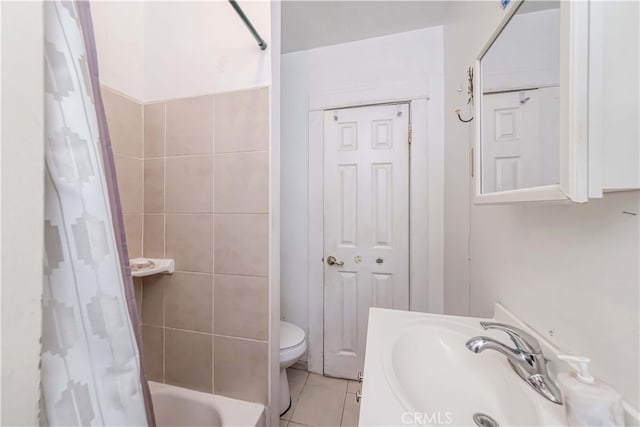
<point>180,407</point>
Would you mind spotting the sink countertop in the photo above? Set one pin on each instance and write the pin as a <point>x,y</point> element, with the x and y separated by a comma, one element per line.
<point>381,406</point>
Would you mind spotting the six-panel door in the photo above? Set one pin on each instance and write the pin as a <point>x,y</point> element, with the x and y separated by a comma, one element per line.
<point>366,226</point>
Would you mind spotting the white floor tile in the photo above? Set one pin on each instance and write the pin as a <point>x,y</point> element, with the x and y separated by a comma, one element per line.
<point>336,384</point>
<point>351,412</point>
<point>319,406</point>
<point>297,380</point>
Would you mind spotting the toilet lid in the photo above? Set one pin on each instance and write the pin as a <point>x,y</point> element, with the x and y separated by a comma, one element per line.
<point>290,335</point>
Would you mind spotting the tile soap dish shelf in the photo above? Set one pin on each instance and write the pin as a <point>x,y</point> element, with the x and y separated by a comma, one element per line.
<point>141,267</point>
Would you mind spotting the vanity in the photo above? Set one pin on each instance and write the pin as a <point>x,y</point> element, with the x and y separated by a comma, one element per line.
<point>419,369</point>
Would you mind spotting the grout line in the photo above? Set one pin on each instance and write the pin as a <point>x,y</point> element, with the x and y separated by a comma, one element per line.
<point>180,156</point>
<point>125,156</point>
<point>225,153</point>
<point>241,338</point>
<point>213,242</point>
<point>241,213</point>
<point>188,330</point>
<point>211,334</point>
<point>143,170</point>
<point>202,273</point>
<point>189,213</point>
<point>164,180</point>
<point>245,275</point>
<point>344,404</point>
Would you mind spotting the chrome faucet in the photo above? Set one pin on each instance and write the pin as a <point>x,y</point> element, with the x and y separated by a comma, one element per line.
<point>526,358</point>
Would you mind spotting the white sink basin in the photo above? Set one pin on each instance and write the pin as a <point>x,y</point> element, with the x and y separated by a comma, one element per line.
<point>433,374</point>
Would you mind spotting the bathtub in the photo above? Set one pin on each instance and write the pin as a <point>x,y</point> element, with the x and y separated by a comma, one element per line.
<point>180,407</point>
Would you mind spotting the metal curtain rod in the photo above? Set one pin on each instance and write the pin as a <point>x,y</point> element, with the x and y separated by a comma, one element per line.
<point>261,42</point>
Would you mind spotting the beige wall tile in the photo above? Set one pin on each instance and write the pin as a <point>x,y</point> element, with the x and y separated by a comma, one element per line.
<point>240,368</point>
<point>188,301</point>
<point>189,240</point>
<point>189,184</point>
<point>242,244</point>
<point>188,359</point>
<point>124,118</point>
<point>153,186</point>
<point>129,175</point>
<point>154,130</point>
<point>133,232</point>
<point>153,351</point>
<point>153,245</point>
<point>241,306</point>
<point>189,126</point>
<point>242,121</point>
<point>242,182</point>
<point>153,300</point>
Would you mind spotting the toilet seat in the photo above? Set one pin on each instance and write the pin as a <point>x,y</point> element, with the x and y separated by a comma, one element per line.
<point>290,335</point>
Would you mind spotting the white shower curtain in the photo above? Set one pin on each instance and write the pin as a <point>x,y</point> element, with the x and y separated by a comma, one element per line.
<point>91,373</point>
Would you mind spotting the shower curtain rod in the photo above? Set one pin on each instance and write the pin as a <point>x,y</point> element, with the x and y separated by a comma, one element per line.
<point>261,42</point>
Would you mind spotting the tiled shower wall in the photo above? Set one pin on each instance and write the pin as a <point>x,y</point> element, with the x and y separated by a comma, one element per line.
<point>204,202</point>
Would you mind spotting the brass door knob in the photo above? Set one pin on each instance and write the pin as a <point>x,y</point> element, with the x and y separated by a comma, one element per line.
<point>331,260</point>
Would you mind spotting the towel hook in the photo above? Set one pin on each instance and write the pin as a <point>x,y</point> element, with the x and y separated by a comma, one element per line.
<point>469,92</point>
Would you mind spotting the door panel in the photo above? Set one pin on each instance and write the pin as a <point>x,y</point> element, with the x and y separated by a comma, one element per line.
<point>366,226</point>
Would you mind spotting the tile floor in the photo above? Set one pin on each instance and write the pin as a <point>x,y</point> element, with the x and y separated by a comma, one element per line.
<point>320,401</point>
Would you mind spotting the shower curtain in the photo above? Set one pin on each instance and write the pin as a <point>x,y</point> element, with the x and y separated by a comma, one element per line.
<point>91,349</point>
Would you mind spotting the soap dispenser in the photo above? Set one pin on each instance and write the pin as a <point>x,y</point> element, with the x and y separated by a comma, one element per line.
<point>588,401</point>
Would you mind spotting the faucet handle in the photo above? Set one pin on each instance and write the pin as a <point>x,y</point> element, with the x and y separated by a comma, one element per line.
<point>523,341</point>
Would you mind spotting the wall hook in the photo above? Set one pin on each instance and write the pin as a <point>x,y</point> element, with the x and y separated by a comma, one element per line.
<point>469,92</point>
<point>460,117</point>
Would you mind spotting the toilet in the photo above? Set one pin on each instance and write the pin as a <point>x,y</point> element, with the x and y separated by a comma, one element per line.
<point>293,345</point>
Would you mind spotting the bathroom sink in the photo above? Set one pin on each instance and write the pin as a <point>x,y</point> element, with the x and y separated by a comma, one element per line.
<point>434,375</point>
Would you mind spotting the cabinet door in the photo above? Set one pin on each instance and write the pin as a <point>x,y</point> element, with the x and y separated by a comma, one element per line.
<point>614,104</point>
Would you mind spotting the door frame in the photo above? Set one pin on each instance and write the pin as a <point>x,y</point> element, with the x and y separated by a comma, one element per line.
<point>426,198</point>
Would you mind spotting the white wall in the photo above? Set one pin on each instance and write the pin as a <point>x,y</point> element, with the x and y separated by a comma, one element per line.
<point>195,48</point>
<point>570,269</point>
<point>414,57</point>
<point>468,26</point>
<point>158,50</point>
<point>118,29</point>
<point>22,209</point>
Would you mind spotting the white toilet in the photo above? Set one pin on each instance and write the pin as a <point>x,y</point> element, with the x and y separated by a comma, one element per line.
<point>293,344</point>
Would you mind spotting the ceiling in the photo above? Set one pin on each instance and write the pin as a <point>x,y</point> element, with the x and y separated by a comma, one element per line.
<point>312,24</point>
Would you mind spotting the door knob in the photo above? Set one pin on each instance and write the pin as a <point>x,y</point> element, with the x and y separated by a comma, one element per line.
<point>331,260</point>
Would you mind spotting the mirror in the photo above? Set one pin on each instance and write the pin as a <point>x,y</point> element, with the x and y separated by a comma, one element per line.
<point>519,101</point>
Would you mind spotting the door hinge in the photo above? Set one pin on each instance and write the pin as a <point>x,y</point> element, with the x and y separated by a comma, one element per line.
<point>473,163</point>
<point>410,134</point>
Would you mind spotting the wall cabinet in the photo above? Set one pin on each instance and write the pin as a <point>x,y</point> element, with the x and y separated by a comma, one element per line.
<point>557,110</point>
